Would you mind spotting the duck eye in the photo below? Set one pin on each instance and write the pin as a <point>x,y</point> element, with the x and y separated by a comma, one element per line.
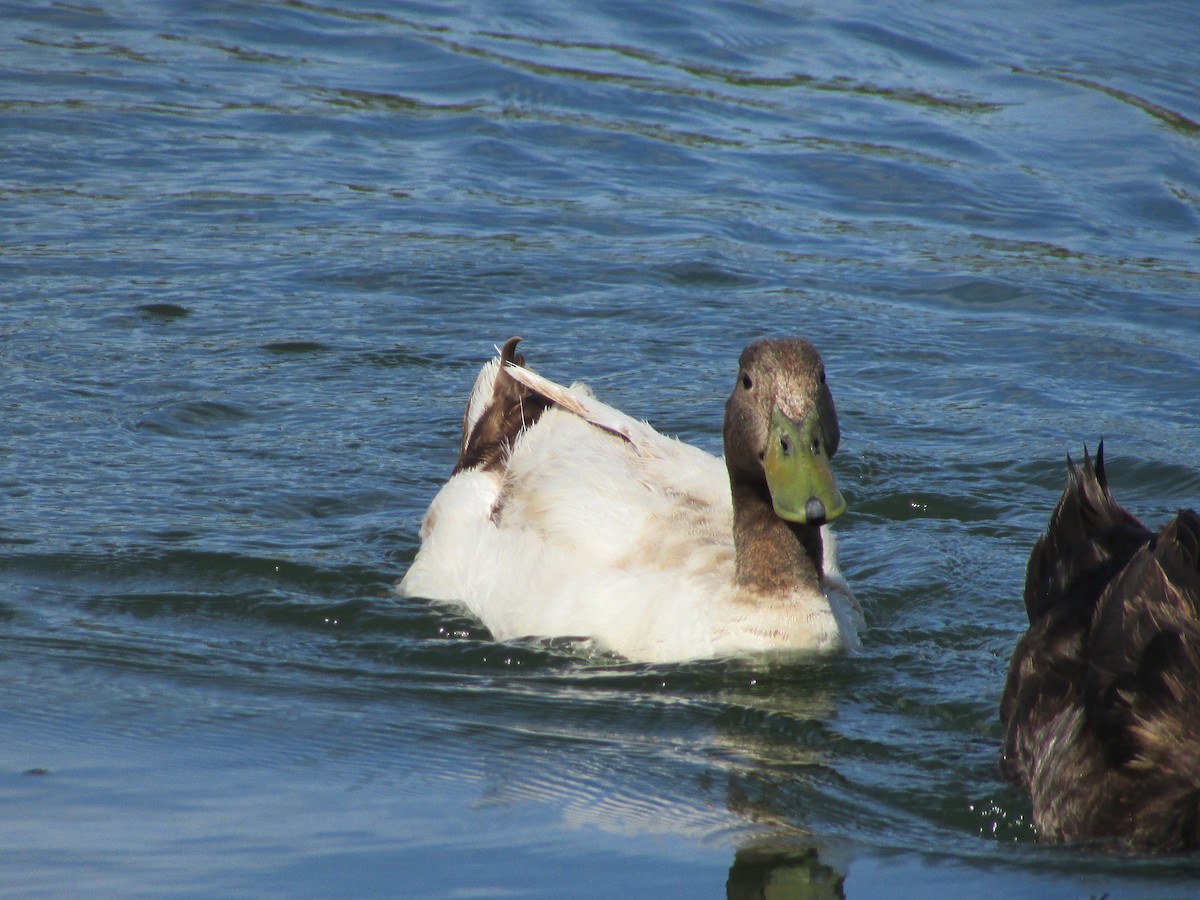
<point>822,376</point>
<point>746,382</point>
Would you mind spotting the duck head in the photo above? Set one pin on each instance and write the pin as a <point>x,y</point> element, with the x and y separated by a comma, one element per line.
<point>781,429</point>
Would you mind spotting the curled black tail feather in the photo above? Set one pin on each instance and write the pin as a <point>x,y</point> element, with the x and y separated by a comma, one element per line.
<point>1090,538</point>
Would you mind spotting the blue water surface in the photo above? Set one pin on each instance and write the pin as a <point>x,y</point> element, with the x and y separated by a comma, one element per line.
<point>253,254</point>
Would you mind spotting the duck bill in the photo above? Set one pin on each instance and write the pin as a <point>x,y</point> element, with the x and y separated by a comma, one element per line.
<point>799,475</point>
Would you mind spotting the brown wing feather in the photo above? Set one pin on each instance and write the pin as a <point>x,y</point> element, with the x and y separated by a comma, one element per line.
<point>513,407</point>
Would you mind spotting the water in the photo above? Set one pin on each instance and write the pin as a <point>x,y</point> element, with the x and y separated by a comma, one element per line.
<point>252,256</point>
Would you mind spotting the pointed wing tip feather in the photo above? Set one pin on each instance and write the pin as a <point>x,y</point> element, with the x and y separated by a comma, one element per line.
<point>637,434</point>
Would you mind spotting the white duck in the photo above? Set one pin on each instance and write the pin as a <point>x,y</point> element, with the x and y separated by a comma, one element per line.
<point>566,518</point>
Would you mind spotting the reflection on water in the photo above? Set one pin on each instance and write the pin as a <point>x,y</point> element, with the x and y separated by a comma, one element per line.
<point>775,873</point>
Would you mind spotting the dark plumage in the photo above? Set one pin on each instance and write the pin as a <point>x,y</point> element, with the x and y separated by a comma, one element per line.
<point>512,408</point>
<point>1102,704</point>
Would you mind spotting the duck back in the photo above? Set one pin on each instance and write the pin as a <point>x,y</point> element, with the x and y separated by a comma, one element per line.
<point>1102,703</point>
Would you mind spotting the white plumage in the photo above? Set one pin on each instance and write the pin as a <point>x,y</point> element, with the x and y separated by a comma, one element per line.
<point>595,526</point>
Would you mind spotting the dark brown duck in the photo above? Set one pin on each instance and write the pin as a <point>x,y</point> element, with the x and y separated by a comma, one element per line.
<point>1102,703</point>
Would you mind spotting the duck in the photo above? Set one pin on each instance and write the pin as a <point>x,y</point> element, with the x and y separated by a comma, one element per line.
<point>1101,705</point>
<point>565,518</point>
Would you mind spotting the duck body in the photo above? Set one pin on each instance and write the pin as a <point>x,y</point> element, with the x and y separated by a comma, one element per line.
<point>566,518</point>
<point>1102,702</point>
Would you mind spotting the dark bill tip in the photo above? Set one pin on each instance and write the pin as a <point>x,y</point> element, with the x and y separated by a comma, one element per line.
<point>814,511</point>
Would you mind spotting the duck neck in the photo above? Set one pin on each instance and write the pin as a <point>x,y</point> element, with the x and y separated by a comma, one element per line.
<point>773,555</point>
